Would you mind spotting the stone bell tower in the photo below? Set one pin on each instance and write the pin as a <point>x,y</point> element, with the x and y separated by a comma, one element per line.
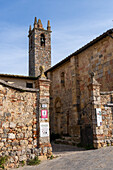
<point>39,48</point>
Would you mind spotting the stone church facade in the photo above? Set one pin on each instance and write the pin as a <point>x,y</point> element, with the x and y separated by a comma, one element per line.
<point>76,94</point>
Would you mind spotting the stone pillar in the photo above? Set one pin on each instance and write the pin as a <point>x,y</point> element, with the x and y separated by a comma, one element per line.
<point>44,134</point>
<point>74,127</point>
<point>94,96</point>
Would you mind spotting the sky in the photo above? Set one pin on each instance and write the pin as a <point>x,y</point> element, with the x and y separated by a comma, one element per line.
<point>74,23</point>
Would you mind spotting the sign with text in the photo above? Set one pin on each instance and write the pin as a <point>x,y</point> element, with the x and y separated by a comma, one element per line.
<point>44,129</point>
<point>44,105</point>
<point>99,116</point>
<point>44,114</point>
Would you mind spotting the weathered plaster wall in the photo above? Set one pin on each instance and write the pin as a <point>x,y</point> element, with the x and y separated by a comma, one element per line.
<point>18,81</point>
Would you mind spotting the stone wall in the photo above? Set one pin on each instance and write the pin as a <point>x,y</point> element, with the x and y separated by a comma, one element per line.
<point>73,100</point>
<point>44,102</point>
<point>39,55</point>
<point>19,124</point>
<point>98,58</point>
<point>104,133</point>
<point>63,101</point>
<point>100,133</point>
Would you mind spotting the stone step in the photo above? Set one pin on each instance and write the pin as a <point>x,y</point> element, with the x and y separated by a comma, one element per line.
<point>68,140</point>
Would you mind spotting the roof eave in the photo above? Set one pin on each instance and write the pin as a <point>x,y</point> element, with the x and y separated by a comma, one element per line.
<point>81,49</point>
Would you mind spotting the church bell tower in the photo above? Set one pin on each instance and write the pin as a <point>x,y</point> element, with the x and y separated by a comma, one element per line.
<point>39,48</point>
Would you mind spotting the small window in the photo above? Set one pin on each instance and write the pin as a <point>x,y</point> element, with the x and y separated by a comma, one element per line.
<point>62,79</point>
<point>42,40</point>
<point>29,85</point>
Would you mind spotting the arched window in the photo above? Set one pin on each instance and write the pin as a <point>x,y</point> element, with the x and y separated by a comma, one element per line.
<point>42,40</point>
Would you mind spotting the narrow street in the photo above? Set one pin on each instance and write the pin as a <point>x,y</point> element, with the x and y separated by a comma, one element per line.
<point>73,158</point>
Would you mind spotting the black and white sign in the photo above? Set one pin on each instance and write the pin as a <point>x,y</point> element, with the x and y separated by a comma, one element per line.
<point>44,129</point>
<point>99,116</point>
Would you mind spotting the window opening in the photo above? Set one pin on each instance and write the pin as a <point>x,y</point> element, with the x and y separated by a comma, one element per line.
<point>42,40</point>
<point>29,85</point>
<point>63,79</point>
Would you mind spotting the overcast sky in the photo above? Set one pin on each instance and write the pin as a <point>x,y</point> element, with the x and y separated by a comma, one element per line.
<point>74,23</point>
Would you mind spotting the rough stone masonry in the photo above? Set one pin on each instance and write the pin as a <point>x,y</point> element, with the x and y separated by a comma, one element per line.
<point>76,98</point>
<point>20,111</point>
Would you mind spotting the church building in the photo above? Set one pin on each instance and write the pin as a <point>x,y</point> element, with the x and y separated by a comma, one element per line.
<point>79,98</point>
<point>82,84</point>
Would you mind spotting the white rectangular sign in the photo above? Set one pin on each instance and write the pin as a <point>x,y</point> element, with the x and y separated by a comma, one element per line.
<point>44,129</point>
<point>99,116</point>
<point>44,105</point>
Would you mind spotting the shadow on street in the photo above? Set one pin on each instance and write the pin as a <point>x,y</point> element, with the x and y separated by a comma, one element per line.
<point>62,149</point>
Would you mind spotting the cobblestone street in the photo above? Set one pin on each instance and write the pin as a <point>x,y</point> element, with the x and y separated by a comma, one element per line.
<point>73,158</point>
